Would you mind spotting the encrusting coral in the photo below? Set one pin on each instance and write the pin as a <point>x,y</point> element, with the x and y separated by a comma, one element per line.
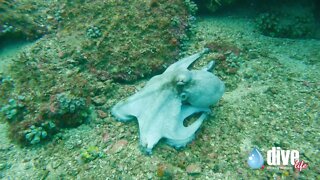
<point>83,54</point>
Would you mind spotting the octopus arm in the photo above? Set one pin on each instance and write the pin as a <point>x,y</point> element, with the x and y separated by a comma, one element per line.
<point>133,106</point>
<point>153,122</point>
<point>187,110</point>
<point>184,63</point>
<point>184,135</point>
<point>179,135</point>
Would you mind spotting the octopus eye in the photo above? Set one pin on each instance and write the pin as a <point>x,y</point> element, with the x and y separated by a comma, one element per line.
<point>183,96</point>
<point>183,78</point>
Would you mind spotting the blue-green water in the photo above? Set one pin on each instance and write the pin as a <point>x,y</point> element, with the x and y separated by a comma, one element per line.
<point>64,65</point>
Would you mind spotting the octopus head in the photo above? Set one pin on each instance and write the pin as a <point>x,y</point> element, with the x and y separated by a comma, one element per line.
<point>183,77</point>
<point>204,90</point>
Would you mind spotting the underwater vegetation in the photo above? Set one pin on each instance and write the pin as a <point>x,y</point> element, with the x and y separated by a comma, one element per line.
<point>16,23</point>
<point>227,56</point>
<point>13,110</point>
<point>63,111</point>
<point>94,32</point>
<point>275,24</point>
<point>144,39</point>
<point>213,5</point>
<point>285,19</point>
<point>35,134</point>
<point>82,57</point>
<point>68,111</point>
<point>6,86</point>
<point>90,153</point>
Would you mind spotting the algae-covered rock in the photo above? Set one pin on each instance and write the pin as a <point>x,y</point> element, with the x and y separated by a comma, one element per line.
<point>213,5</point>
<point>17,23</point>
<point>125,45</point>
<point>92,45</point>
<point>286,25</point>
<point>288,20</point>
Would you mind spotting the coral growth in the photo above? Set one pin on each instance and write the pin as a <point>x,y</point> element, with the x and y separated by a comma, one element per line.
<point>6,87</point>
<point>68,111</point>
<point>286,26</point>
<point>16,24</point>
<point>35,134</point>
<point>227,56</point>
<point>93,32</point>
<point>38,133</point>
<point>213,5</point>
<point>14,110</point>
<point>288,20</point>
<point>228,60</point>
<point>115,44</point>
<point>128,45</point>
<point>62,111</point>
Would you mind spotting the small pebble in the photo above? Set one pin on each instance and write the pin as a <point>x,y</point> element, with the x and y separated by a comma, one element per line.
<point>118,146</point>
<point>193,169</point>
<point>99,100</point>
<point>102,114</point>
<point>105,137</point>
<point>49,17</point>
<point>2,166</point>
<point>56,164</point>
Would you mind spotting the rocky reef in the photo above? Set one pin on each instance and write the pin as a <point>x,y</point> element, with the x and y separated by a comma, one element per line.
<point>82,56</point>
<point>213,5</point>
<point>16,22</point>
<point>288,20</point>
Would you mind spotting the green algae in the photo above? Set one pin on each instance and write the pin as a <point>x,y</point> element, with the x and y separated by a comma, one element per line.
<point>17,24</point>
<point>91,153</point>
<point>87,52</point>
<point>136,43</point>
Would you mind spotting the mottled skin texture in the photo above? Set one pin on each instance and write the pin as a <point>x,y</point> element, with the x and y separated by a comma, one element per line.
<point>168,99</point>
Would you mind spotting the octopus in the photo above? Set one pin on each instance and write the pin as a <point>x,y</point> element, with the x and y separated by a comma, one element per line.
<point>168,99</point>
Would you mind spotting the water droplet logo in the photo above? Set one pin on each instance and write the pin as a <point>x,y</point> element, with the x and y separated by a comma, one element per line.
<point>255,159</point>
